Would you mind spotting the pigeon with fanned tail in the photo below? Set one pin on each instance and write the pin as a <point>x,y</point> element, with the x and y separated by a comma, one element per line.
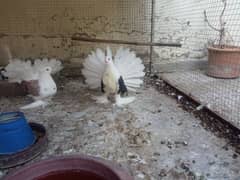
<point>115,76</point>
<point>38,71</point>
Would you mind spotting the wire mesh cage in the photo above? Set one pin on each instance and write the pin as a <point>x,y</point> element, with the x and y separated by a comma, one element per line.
<point>48,26</point>
<point>208,30</point>
<point>154,28</point>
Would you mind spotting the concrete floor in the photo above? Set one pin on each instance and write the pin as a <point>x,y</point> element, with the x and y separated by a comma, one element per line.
<point>152,138</point>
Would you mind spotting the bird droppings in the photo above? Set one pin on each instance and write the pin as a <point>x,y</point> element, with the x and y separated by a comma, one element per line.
<point>152,138</point>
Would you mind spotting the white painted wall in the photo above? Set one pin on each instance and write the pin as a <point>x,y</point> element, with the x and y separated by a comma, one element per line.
<point>183,22</point>
<point>27,24</point>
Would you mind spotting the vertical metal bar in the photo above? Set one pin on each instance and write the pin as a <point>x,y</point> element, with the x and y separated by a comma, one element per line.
<point>152,35</point>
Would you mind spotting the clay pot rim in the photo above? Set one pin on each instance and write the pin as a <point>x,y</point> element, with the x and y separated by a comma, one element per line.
<point>224,49</point>
<point>41,167</point>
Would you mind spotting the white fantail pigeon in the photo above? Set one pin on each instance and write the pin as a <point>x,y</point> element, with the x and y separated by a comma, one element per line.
<point>114,77</point>
<point>39,71</point>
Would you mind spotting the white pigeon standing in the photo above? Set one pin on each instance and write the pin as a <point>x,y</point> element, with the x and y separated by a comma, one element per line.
<point>114,77</point>
<point>41,70</point>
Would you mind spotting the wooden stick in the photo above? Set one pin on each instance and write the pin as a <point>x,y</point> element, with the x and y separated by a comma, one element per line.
<point>78,38</point>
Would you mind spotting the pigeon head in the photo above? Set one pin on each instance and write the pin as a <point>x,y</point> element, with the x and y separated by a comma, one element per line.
<point>108,57</point>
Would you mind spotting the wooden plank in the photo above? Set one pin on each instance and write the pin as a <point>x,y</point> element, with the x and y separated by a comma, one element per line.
<point>76,38</point>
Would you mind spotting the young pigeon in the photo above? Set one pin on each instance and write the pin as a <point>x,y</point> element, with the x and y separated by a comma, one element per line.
<point>40,71</point>
<point>114,77</point>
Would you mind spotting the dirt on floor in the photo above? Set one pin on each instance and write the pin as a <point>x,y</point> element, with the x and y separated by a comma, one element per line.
<point>153,138</point>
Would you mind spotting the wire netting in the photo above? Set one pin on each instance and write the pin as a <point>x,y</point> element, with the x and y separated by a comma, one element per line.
<point>185,22</point>
<point>107,19</point>
<point>152,21</point>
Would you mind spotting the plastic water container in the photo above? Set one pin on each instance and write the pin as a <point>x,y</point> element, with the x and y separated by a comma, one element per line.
<point>15,133</point>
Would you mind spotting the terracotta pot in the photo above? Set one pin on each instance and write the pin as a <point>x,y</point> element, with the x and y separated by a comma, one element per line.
<point>70,168</point>
<point>224,62</point>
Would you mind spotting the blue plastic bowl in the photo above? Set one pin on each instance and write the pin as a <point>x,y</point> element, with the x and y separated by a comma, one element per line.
<point>15,133</point>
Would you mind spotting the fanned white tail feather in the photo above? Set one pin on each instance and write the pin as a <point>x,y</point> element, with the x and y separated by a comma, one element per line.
<point>55,64</point>
<point>18,70</point>
<point>94,68</point>
<point>35,104</point>
<point>130,67</point>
